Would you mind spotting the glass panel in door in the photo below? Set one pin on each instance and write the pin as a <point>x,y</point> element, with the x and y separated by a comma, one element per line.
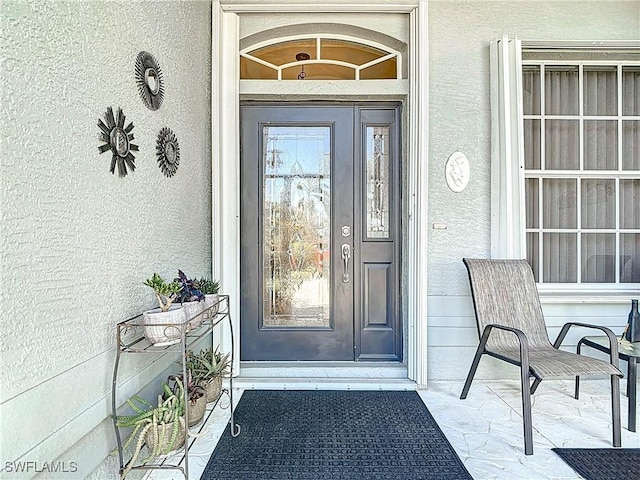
<point>296,196</point>
<point>296,226</point>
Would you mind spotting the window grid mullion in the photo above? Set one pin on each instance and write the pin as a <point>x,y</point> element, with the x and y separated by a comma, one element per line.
<point>543,160</point>
<point>540,231</point>
<point>581,168</point>
<point>617,227</point>
<point>579,229</point>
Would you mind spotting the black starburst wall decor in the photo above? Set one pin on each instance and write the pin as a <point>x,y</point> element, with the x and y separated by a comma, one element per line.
<point>168,152</point>
<point>117,138</point>
<point>149,80</point>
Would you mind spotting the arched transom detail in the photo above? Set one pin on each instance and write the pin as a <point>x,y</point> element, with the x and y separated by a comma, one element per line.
<point>320,57</point>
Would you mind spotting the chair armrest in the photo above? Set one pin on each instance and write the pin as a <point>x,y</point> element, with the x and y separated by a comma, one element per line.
<point>613,340</point>
<point>519,333</point>
<point>522,339</point>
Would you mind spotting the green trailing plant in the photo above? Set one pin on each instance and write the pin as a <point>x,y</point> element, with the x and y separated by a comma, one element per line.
<point>154,420</point>
<point>166,293</point>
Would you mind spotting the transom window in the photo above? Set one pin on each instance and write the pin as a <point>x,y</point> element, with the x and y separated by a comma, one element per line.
<point>581,125</point>
<point>320,57</point>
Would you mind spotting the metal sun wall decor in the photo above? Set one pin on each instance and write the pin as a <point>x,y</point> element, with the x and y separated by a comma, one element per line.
<point>149,80</point>
<point>117,138</point>
<point>168,152</point>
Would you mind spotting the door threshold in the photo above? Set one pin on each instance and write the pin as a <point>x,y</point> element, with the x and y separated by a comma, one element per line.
<point>302,383</point>
<point>369,371</point>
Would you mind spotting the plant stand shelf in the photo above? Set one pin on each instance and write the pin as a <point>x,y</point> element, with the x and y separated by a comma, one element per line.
<point>131,339</point>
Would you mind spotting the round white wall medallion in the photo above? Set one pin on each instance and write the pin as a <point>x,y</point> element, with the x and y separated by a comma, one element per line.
<point>457,172</point>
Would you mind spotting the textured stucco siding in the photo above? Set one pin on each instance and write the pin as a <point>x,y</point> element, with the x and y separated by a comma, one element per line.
<point>460,119</point>
<point>76,241</point>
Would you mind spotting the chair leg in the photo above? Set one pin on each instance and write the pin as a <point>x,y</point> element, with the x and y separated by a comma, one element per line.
<point>576,394</point>
<point>526,410</point>
<point>476,360</point>
<point>472,371</point>
<point>534,385</point>
<point>615,410</point>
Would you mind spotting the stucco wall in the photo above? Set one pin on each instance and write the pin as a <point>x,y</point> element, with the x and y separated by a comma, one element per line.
<point>459,119</point>
<point>76,241</point>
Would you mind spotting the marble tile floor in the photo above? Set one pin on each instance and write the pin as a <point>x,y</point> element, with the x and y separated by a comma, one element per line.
<point>486,428</point>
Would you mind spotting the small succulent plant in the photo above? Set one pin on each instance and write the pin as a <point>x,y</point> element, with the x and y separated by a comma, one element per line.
<point>208,286</point>
<point>194,392</point>
<point>166,293</point>
<point>190,291</point>
<point>207,364</point>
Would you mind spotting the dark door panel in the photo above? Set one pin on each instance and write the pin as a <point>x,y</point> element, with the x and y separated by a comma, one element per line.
<point>297,182</point>
<point>319,233</point>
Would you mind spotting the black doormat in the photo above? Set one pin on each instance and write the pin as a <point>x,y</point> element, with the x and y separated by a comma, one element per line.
<point>603,463</point>
<point>354,435</point>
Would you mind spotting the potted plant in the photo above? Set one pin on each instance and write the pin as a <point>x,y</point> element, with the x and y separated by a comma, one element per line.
<point>208,367</point>
<point>210,289</point>
<point>163,325</point>
<point>196,396</point>
<point>192,299</point>
<point>161,427</point>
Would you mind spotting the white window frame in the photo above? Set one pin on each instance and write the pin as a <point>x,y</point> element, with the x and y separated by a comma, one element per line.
<point>508,228</point>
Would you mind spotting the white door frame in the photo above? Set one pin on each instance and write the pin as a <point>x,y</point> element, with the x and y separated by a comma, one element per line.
<point>225,201</point>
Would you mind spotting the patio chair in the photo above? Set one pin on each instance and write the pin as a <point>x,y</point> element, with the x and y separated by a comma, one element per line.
<point>511,328</point>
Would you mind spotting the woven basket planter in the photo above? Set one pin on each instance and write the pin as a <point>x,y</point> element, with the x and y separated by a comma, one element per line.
<point>213,387</point>
<point>196,411</point>
<point>165,432</point>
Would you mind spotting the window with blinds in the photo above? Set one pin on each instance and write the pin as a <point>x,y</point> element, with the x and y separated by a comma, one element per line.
<point>581,139</point>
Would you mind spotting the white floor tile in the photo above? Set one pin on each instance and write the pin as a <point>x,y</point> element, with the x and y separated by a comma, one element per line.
<point>486,429</point>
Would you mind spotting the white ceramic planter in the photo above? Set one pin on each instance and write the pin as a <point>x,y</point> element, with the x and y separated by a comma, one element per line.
<point>164,328</point>
<point>191,309</point>
<point>209,300</point>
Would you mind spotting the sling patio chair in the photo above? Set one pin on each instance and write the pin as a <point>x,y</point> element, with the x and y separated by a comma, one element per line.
<point>511,328</point>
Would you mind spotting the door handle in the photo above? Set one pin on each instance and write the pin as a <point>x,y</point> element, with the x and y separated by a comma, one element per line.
<point>346,255</point>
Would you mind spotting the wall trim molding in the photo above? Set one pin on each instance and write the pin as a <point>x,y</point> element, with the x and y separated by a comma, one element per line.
<point>225,141</point>
<point>335,6</point>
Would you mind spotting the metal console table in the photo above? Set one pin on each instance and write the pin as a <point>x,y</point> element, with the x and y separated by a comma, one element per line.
<point>131,339</point>
<point>630,352</point>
